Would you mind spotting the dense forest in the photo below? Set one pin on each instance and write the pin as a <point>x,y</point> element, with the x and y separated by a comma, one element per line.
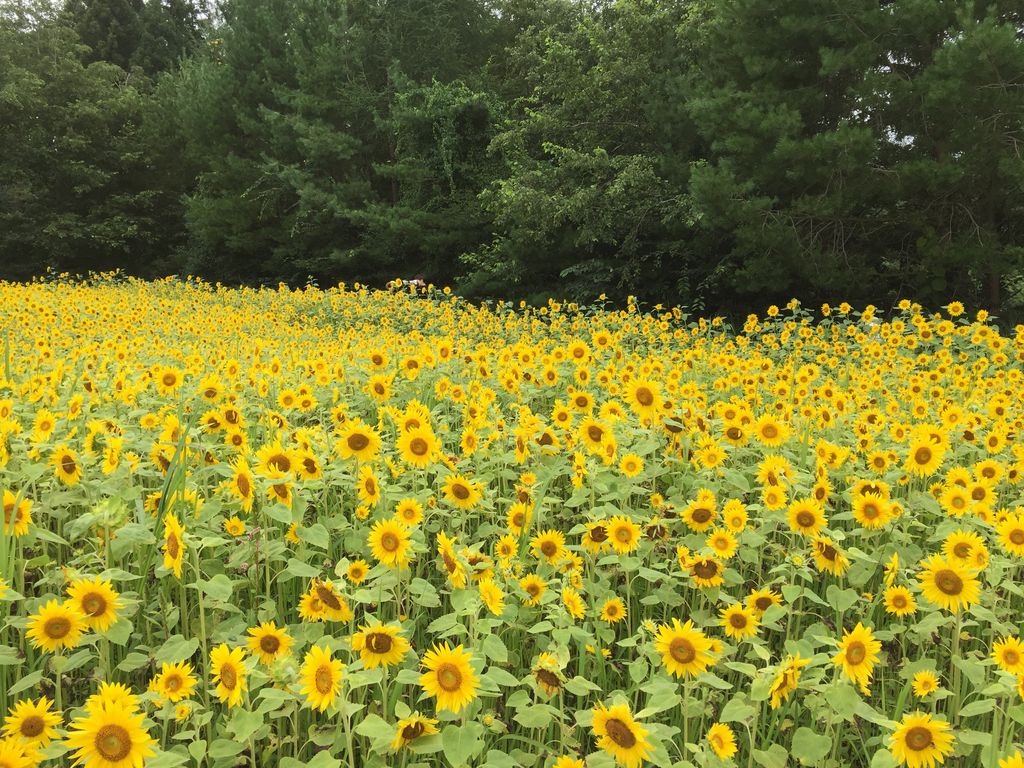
<point>712,153</point>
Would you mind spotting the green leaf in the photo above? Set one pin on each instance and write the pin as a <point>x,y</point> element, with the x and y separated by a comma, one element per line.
<point>167,759</point>
<point>26,682</point>
<point>219,587</point>
<point>176,649</point>
<point>461,744</point>
<point>300,569</point>
<point>120,633</point>
<point>736,710</point>
<point>501,677</point>
<point>773,757</point>
<point>979,707</point>
<point>494,649</point>
<point>809,747</point>
<point>244,723</point>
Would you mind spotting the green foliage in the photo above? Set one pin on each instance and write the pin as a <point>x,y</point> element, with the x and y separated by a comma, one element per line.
<point>703,152</point>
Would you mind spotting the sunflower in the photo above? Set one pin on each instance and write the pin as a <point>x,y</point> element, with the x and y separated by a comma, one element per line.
<point>268,642</point>
<point>644,397</point>
<point>334,605</point>
<point>738,622</point>
<point>921,741</point>
<point>722,543</point>
<point>450,560</point>
<point>966,548</point>
<point>32,721</point>
<point>320,675</point>
<point>828,557</point>
<point>357,571</point>
<point>112,694</point>
<point>631,465</point>
<point>174,545</point>
<point>418,447</point>
<point>1009,655</point>
<point>112,736</point>
<point>66,466</point>
<point>924,457</point>
<point>722,740</point>
<point>227,668</point>
<point>506,548</point>
<point>367,487</point>
<point>175,681</point>
<point>411,728</point>
<point>534,586</point>
<point>770,431</point>
<point>548,545</point>
<point>56,626</point>
<point>17,515</point>
<point>899,601</point>
<point>872,511</point>
<point>948,584</point>
<point>786,679</point>
<point>1011,534</point>
<point>389,543</point>
<point>595,538</point>
<point>685,650</point>
<point>461,492</point>
<point>924,683</point>
<point>449,678</point>
<point>613,610</point>
<point>410,512</point>
<point>760,600</point>
<point>574,603</point>
<point>357,440</point>
<point>700,513</point>
<point>623,534</point>
<point>568,761</point>
<point>1016,760</point>
<point>234,526</point>
<point>806,517</point>
<point>492,596</point>
<point>622,737</point>
<point>955,500</point>
<point>706,571</point>
<point>97,600</point>
<point>275,460</point>
<point>548,674</point>
<point>858,654</point>
<point>380,645</point>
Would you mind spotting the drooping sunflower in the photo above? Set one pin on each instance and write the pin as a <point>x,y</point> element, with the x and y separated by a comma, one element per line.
<point>722,740</point>
<point>242,483</point>
<point>899,601</point>
<point>268,642</point>
<point>320,675</point>
<point>921,741</point>
<point>1009,655</point>
<point>595,538</point>
<point>450,560</point>
<point>112,694</point>
<point>548,674</point>
<point>227,668</point>
<point>32,721</point>
<point>175,681</point>
<point>357,440</point>
<point>380,645</point>
<point>411,728</point>
<point>622,737</point>
<point>335,606</point>
<point>449,677</point>
<point>56,626</point>
<point>806,517</point>
<point>174,545</point>
<point>738,622</point>
<point>948,584</point>
<point>828,557</point>
<point>786,679</point>
<point>857,656</point>
<point>685,650</point>
<point>389,543</point>
<point>492,596</point>
<point>461,492</point>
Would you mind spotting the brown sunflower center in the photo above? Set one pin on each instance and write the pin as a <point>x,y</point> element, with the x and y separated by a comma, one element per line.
<point>1017,536</point>
<point>280,461</point>
<point>644,396</point>
<point>856,652</point>
<point>770,431</point>
<point>379,642</point>
<point>763,603</point>
<point>682,650</point>
<point>460,491</point>
<point>323,679</point>
<point>620,733</point>
<point>57,628</point>
<point>705,569</point>
<point>243,485</point>
<point>389,542</point>
<point>413,731</point>
<point>173,546</point>
<point>623,534</point>
<point>418,446</point>
<point>805,519</point>
<point>548,679</point>
<point>228,676</point>
<point>701,515</point>
<point>549,548</point>
<point>173,683</point>
<point>918,738</point>
<point>449,677</point>
<point>949,582</point>
<point>921,457</point>
<point>94,604</point>
<point>596,433</point>
<point>270,644</point>
<point>327,597</point>
<point>599,534</point>
<point>32,726</point>
<point>1010,657</point>
<point>962,550</point>
<point>358,441</point>
<point>68,465</point>
<point>113,743</point>
<point>738,621</point>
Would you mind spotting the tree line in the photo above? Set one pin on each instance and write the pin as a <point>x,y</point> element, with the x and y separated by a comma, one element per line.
<point>710,153</point>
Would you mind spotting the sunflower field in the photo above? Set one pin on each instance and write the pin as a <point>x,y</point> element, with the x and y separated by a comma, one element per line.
<point>348,527</point>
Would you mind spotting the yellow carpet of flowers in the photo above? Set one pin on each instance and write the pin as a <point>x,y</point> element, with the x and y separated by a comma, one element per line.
<point>348,527</point>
